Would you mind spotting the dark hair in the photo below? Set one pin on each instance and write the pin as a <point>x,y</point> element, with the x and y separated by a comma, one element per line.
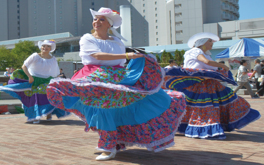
<point>171,61</point>
<point>242,62</point>
<point>222,62</point>
<point>257,60</point>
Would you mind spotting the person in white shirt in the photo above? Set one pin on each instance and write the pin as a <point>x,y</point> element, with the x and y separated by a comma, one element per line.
<point>114,100</point>
<point>212,108</point>
<point>172,64</point>
<point>29,84</point>
<point>242,79</point>
<point>8,72</point>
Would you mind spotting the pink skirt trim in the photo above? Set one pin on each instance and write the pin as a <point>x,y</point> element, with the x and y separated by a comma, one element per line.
<point>87,70</point>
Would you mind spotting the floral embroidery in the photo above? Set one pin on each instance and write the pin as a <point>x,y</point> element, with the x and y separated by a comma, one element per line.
<point>41,89</point>
<point>108,74</point>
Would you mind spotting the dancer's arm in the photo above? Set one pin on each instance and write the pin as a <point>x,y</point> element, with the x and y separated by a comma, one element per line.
<point>110,56</point>
<point>211,63</point>
<point>30,78</point>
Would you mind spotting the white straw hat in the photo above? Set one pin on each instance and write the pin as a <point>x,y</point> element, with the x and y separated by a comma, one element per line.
<point>48,42</point>
<point>109,13</point>
<point>202,35</point>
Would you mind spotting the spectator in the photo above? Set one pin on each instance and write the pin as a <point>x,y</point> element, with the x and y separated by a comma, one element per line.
<point>61,75</point>
<point>171,65</point>
<point>242,79</point>
<point>257,74</point>
<point>250,73</point>
<point>262,67</point>
<point>7,73</point>
<point>182,64</point>
<point>221,62</point>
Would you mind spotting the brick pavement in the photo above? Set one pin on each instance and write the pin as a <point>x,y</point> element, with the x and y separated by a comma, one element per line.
<point>63,142</point>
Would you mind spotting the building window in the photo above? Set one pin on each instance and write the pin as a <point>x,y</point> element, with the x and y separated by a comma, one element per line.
<point>143,5</point>
<point>177,6</point>
<point>179,42</point>
<point>156,27</point>
<point>156,15</point>
<point>155,9</point>
<point>155,2</point>
<point>18,22</point>
<point>18,17</point>
<point>156,21</point>
<point>178,23</point>
<point>18,12</point>
<point>92,3</point>
<point>178,14</point>
<point>157,33</point>
<point>157,39</point>
<point>178,31</point>
<point>143,11</point>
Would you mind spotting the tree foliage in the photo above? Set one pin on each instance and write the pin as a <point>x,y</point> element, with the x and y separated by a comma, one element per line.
<point>22,51</point>
<point>6,58</point>
<point>166,56</point>
<point>158,58</point>
<point>178,56</point>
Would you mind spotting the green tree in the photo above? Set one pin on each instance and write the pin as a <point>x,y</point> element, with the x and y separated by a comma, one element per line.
<point>166,56</point>
<point>6,58</point>
<point>158,58</point>
<point>178,56</point>
<point>22,51</point>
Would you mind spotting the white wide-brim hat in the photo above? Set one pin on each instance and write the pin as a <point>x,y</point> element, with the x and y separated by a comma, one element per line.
<point>47,42</point>
<point>109,13</point>
<point>202,35</point>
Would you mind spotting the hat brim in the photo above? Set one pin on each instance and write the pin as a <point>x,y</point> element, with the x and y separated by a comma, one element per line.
<point>117,20</point>
<point>53,45</point>
<point>198,36</point>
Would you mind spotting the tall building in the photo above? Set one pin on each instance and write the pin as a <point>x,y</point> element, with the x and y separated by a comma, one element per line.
<point>187,17</point>
<point>154,12</point>
<point>174,21</point>
<point>28,18</point>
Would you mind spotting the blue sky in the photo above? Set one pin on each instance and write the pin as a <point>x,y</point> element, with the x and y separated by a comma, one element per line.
<point>249,9</point>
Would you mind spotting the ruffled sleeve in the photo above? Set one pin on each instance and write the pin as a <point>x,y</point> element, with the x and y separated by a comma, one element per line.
<point>55,68</point>
<point>195,52</point>
<point>88,45</point>
<point>30,60</point>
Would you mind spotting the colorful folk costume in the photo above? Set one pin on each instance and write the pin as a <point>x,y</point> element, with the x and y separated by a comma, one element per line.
<point>211,107</point>
<point>33,95</point>
<point>126,106</point>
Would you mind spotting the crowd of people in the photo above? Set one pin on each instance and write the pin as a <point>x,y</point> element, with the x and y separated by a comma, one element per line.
<point>141,104</point>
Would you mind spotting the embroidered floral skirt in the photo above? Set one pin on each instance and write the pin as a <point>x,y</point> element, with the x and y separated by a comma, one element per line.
<point>33,96</point>
<point>126,106</point>
<point>211,107</point>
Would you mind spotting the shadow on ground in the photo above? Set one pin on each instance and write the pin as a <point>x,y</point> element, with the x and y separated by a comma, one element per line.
<point>169,157</point>
<point>245,136</point>
<point>59,122</point>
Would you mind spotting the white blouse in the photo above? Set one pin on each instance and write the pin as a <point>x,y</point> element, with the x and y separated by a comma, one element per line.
<point>41,67</point>
<point>90,45</point>
<point>191,61</point>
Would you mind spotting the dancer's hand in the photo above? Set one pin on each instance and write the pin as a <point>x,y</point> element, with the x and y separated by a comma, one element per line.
<point>30,79</point>
<point>132,55</point>
<point>226,68</point>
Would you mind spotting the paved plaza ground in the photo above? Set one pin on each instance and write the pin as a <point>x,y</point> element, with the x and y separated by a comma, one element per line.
<point>63,142</point>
